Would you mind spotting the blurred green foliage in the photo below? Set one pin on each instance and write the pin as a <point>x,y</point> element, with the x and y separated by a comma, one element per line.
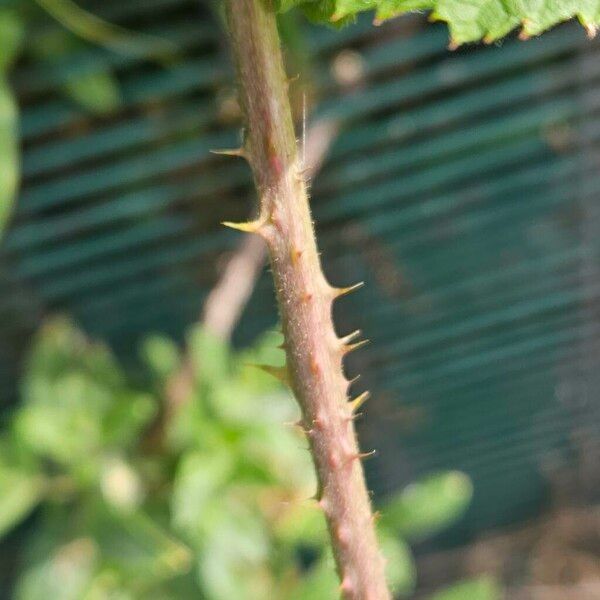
<point>130,496</point>
<point>11,35</point>
<point>24,31</point>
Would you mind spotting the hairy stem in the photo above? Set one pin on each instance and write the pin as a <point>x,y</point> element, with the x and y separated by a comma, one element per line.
<point>314,352</point>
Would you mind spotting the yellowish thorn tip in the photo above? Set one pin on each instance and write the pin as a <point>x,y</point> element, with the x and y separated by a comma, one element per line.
<point>248,227</point>
<point>359,401</point>
<point>240,152</point>
<point>348,290</point>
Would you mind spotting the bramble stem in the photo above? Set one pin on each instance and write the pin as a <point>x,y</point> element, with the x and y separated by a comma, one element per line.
<point>314,352</point>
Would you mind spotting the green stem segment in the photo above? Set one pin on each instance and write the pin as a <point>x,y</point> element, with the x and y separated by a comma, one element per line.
<point>314,352</point>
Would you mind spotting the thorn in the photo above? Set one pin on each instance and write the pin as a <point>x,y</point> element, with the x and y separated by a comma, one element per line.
<point>248,227</point>
<point>352,381</point>
<point>352,347</point>
<point>377,22</point>
<point>293,79</point>
<point>591,30</point>
<point>280,373</point>
<point>376,516</point>
<point>350,337</point>
<point>239,152</point>
<point>359,401</point>
<point>453,45</point>
<point>353,417</point>
<point>338,292</point>
<point>364,455</point>
<point>335,17</point>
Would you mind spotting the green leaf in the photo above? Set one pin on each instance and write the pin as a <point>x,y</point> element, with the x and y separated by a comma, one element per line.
<point>11,37</point>
<point>320,582</point>
<point>96,92</point>
<point>96,88</point>
<point>468,20</point>
<point>199,480</point>
<point>303,525</point>
<point>77,405</point>
<point>400,568</point>
<point>64,575</point>
<point>161,355</point>
<point>234,561</point>
<point>482,588</point>
<point>136,546</point>
<point>210,357</point>
<point>20,491</point>
<point>9,150</point>
<point>427,506</point>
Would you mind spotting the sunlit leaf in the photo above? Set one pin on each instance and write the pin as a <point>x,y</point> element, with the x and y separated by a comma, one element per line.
<point>233,563</point>
<point>429,505</point>
<point>468,20</point>
<point>199,479</point>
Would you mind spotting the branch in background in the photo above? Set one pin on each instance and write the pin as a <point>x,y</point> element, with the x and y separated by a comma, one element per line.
<point>226,302</point>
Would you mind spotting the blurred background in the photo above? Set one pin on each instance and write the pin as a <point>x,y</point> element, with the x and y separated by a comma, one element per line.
<point>141,457</point>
